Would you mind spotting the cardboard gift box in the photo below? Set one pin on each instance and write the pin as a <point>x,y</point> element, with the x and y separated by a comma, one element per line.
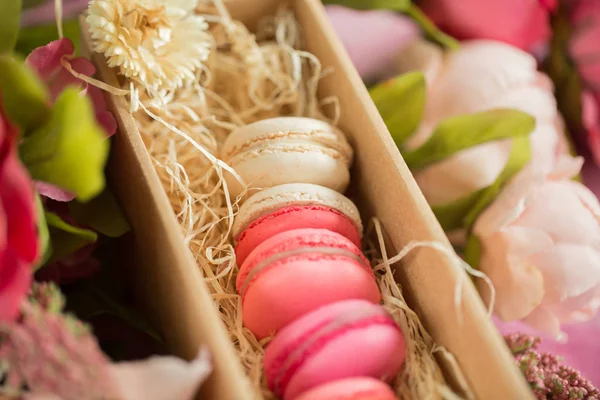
<point>170,286</point>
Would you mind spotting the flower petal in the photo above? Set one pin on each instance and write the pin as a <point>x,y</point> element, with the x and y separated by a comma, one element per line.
<point>542,319</point>
<point>161,378</point>
<point>45,60</point>
<point>17,198</point>
<point>519,285</point>
<point>510,203</point>
<point>53,192</point>
<point>463,173</point>
<point>15,280</point>
<point>421,55</point>
<point>546,211</point>
<point>65,78</point>
<point>372,38</point>
<point>476,75</point>
<point>569,270</point>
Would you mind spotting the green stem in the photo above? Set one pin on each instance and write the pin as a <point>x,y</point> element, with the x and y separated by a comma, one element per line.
<point>431,31</point>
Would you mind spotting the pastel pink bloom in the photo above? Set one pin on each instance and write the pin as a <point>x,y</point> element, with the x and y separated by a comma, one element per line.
<point>480,76</point>
<point>19,247</point>
<point>521,23</point>
<point>584,50</point>
<point>540,243</point>
<point>46,61</point>
<point>372,38</point>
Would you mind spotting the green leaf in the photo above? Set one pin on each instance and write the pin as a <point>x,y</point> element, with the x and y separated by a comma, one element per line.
<point>43,233</point>
<point>9,28</point>
<point>394,5</point>
<point>32,37</point>
<point>102,213</point>
<point>71,150</point>
<point>67,238</point>
<point>465,131</point>
<point>520,155</point>
<point>451,216</point>
<point>401,102</point>
<point>24,96</point>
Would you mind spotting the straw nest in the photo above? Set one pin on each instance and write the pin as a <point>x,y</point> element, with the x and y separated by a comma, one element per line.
<point>248,77</point>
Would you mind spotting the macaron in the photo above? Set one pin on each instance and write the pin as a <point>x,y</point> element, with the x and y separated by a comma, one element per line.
<point>352,338</point>
<point>293,206</point>
<point>361,388</point>
<point>297,271</point>
<point>288,150</point>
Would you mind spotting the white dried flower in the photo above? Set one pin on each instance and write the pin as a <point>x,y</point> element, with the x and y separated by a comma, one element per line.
<point>158,43</point>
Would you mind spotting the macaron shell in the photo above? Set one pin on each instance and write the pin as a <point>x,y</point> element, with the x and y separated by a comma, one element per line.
<point>294,286</point>
<point>296,239</point>
<point>271,128</point>
<point>376,350</point>
<point>291,218</point>
<point>362,388</point>
<point>279,164</point>
<point>293,194</point>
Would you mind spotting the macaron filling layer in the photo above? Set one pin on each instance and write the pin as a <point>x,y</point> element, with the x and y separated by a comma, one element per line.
<point>288,363</point>
<point>334,252</point>
<point>328,140</point>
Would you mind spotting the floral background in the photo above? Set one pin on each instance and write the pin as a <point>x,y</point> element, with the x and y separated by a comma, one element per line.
<point>494,106</point>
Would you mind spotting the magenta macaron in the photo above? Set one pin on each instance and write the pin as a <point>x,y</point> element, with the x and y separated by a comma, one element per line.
<point>297,271</point>
<point>351,338</point>
<point>361,388</point>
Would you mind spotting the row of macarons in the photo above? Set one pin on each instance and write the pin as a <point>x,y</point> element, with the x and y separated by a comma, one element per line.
<point>303,276</point>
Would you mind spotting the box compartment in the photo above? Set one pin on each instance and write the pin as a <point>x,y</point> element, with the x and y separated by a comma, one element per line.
<point>168,282</point>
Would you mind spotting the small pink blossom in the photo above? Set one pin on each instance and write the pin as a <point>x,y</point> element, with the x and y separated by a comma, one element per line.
<point>56,357</point>
<point>46,61</point>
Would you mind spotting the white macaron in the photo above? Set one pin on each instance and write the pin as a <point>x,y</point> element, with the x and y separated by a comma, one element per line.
<point>284,150</point>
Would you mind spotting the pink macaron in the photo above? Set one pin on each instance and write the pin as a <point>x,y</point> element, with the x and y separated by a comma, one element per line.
<point>295,272</point>
<point>351,338</point>
<point>294,217</point>
<point>362,388</point>
<point>293,206</point>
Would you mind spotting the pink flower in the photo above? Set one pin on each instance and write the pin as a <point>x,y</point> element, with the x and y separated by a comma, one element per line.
<point>540,242</point>
<point>46,61</point>
<point>19,247</point>
<point>584,50</point>
<point>57,357</point>
<point>372,38</point>
<point>521,23</point>
<point>482,75</point>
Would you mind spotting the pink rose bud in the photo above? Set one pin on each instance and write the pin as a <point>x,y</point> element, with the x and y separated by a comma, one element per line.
<point>481,75</point>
